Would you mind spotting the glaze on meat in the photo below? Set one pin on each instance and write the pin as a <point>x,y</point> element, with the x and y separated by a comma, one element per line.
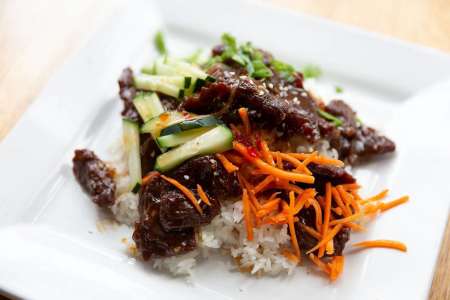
<point>95,177</point>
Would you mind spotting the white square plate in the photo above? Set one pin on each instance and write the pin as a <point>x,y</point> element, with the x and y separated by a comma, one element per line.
<point>49,245</point>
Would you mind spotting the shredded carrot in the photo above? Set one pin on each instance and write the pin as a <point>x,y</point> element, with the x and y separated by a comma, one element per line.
<point>337,210</point>
<point>377,197</point>
<point>273,196</point>
<point>309,193</point>
<point>149,176</point>
<point>247,218</point>
<point>382,244</point>
<point>388,205</point>
<point>310,158</point>
<point>326,215</point>
<point>279,161</point>
<point>348,199</point>
<point>351,186</point>
<point>330,235</point>
<point>351,218</point>
<point>203,195</point>
<point>290,256</point>
<point>185,191</point>
<point>297,163</point>
<point>345,210</point>
<point>330,247</point>
<point>267,155</point>
<point>318,159</point>
<point>243,113</point>
<point>312,232</point>
<point>263,184</point>
<point>279,173</point>
<point>336,267</point>
<point>253,200</point>
<point>290,218</point>
<point>235,159</point>
<point>354,226</point>
<point>318,210</point>
<point>228,165</point>
<point>319,263</point>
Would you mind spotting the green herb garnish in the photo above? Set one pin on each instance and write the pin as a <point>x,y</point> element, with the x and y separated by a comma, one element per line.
<point>311,71</point>
<point>285,70</point>
<point>160,43</point>
<point>339,89</point>
<point>329,117</point>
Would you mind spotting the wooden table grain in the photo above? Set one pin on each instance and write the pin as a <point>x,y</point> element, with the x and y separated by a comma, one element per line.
<point>37,36</point>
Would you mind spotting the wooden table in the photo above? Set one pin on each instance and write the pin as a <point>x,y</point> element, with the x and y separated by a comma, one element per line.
<point>37,36</point>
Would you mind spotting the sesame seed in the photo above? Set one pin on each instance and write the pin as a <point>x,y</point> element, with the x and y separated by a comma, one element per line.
<point>270,85</point>
<point>186,177</point>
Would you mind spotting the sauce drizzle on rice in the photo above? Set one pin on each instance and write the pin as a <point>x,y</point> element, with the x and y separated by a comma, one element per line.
<point>338,207</point>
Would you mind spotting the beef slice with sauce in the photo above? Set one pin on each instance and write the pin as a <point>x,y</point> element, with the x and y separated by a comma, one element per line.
<point>151,238</point>
<point>95,177</point>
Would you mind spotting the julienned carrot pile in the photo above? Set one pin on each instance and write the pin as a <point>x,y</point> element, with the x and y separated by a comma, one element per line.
<point>337,207</point>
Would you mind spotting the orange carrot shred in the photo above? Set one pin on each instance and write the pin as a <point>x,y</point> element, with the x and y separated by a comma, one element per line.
<point>235,159</point>
<point>318,210</point>
<point>326,238</point>
<point>247,218</point>
<point>228,165</point>
<point>263,184</point>
<point>351,218</point>
<point>271,169</point>
<point>345,210</point>
<point>267,155</point>
<point>337,267</point>
<point>319,263</point>
<point>326,215</point>
<point>203,195</point>
<point>243,113</point>
<point>377,197</point>
<point>294,241</point>
<point>185,191</point>
<point>290,256</point>
<point>297,163</point>
<point>348,199</point>
<point>382,244</point>
<point>318,159</point>
<point>312,232</point>
<point>391,204</point>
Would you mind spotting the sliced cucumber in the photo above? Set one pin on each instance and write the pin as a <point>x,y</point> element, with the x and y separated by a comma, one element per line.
<point>186,69</point>
<point>169,85</point>
<point>216,140</point>
<point>196,122</point>
<point>148,105</point>
<point>155,125</point>
<point>172,140</point>
<point>131,144</point>
<point>148,69</point>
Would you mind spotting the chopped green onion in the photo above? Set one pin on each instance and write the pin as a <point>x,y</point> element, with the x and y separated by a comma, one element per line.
<point>339,89</point>
<point>329,117</point>
<point>261,70</point>
<point>285,70</point>
<point>160,43</point>
<point>311,71</point>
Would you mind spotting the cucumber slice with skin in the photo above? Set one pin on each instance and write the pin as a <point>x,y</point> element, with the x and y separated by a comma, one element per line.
<point>155,125</point>
<point>169,85</point>
<point>185,68</point>
<point>216,140</point>
<point>172,140</point>
<point>148,105</point>
<point>132,151</point>
<point>197,122</point>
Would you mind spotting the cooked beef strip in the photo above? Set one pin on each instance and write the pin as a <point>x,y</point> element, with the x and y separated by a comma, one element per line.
<point>165,211</point>
<point>353,140</point>
<point>95,177</point>
<point>149,151</point>
<point>329,173</point>
<point>127,92</point>
<point>177,212</point>
<point>210,174</point>
<point>152,239</point>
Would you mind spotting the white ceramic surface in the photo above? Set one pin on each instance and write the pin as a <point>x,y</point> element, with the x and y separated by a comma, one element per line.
<point>50,247</point>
